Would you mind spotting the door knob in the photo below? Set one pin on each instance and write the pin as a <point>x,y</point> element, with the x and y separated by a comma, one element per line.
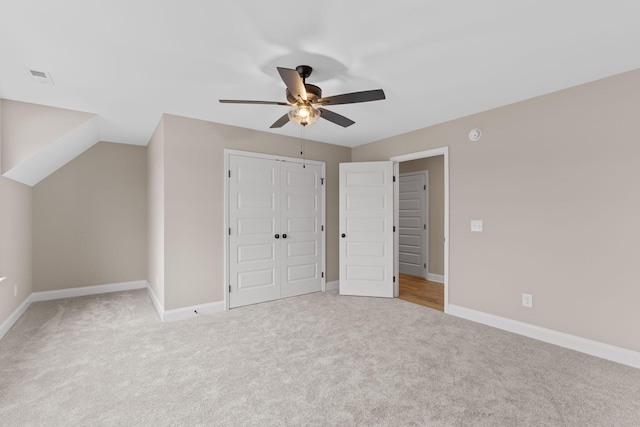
<point>284,236</point>
<point>344,235</point>
<point>277,236</point>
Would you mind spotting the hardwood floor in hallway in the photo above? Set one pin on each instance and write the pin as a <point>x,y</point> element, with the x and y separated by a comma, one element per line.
<point>421,291</point>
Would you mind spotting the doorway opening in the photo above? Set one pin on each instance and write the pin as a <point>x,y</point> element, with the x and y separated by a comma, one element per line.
<point>429,248</point>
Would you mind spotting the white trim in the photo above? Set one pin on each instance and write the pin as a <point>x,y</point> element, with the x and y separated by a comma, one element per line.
<point>583,345</point>
<point>13,318</point>
<point>432,153</point>
<point>332,286</point>
<point>88,290</point>
<point>184,312</point>
<point>439,278</point>
<point>188,312</point>
<point>155,301</point>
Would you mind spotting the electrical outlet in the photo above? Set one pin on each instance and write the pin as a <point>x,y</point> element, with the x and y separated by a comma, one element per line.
<point>527,300</point>
<point>15,290</point>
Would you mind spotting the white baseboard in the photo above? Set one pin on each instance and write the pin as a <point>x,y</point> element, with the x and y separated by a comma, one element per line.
<point>192,311</point>
<point>184,312</point>
<point>332,286</point>
<point>439,278</point>
<point>155,301</point>
<point>11,320</point>
<point>87,290</point>
<point>583,345</point>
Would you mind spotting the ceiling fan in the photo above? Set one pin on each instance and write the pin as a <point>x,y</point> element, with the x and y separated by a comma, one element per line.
<point>306,100</point>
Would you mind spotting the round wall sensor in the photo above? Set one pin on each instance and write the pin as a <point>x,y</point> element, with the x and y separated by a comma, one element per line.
<point>475,134</point>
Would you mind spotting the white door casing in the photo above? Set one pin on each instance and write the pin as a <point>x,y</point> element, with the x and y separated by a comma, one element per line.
<point>413,223</point>
<point>276,236</point>
<point>442,151</point>
<point>366,229</point>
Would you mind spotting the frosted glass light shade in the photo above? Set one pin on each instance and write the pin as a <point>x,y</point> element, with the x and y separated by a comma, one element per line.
<point>304,115</point>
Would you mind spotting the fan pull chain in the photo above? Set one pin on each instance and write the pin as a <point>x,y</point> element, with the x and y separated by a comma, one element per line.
<point>302,147</point>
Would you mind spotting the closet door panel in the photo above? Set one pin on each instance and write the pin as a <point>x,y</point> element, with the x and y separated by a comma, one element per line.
<point>254,219</point>
<point>301,222</point>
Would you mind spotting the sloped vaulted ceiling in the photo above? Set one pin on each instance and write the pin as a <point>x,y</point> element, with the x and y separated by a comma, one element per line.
<point>131,61</point>
<point>37,140</point>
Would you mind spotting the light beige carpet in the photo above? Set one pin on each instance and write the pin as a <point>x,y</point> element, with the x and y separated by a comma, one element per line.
<point>319,359</point>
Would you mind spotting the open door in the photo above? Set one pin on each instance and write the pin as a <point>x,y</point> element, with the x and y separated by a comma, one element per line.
<point>366,229</point>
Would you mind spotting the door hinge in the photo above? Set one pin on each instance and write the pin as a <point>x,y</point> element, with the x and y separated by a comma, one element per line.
<point>425,226</point>
<point>425,265</point>
<point>394,279</point>
<point>394,228</point>
<point>229,231</point>
<point>321,181</point>
<point>394,179</point>
<point>229,173</point>
<point>229,288</point>
<point>323,274</point>
<point>322,228</point>
<point>425,187</point>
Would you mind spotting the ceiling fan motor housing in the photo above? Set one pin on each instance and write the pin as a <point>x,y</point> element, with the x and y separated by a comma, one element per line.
<point>313,93</point>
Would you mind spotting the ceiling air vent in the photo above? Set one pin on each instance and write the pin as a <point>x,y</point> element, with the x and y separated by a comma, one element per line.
<point>40,76</point>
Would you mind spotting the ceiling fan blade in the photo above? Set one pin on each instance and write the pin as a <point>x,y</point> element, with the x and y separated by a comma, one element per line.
<point>335,118</point>
<point>280,122</point>
<point>240,101</point>
<point>294,82</point>
<point>351,98</point>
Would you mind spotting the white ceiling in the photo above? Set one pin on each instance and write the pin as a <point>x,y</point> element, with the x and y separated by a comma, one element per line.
<point>130,61</point>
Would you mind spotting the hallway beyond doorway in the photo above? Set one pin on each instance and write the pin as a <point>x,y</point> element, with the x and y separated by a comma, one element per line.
<point>421,291</point>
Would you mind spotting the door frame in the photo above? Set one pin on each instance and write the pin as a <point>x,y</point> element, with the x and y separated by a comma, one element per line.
<point>225,251</point>
<point>442,151</point>
<point>424,239</point>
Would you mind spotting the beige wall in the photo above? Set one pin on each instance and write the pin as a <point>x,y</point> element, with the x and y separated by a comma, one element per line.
<point>31,127</point>
<point>15,242</point>
<point>555,180</point>
<point>90,220</point>
<point>435,166</point>
<point>155,212</point>
<point>194,202</point>
<point>15,245</point>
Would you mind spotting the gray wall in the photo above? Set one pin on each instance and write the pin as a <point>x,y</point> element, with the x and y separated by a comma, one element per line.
<point>555,180</point>
<point>193,163</point>
<point>15,245</point>
<point>90,220</point>
<point>15,240</point>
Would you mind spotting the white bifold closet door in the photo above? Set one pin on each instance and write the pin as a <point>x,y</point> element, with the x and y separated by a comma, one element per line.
<point>275,236</point>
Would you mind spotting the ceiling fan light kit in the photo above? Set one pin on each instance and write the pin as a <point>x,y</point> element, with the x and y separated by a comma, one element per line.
<point>304,115</point>
<point>306,100</point>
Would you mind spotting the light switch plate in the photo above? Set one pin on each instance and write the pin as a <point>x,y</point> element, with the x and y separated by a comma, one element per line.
<point>476,225</point>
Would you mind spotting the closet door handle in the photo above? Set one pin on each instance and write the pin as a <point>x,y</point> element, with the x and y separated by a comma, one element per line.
<point>344,235</point>
<point>284,236</point>
<point>277,236</point>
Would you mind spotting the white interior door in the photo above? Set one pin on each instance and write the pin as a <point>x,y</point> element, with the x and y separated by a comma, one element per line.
<point>366,229</point>
<point>301,222</point>
<point>412,223</point>
<point>254,235</point>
